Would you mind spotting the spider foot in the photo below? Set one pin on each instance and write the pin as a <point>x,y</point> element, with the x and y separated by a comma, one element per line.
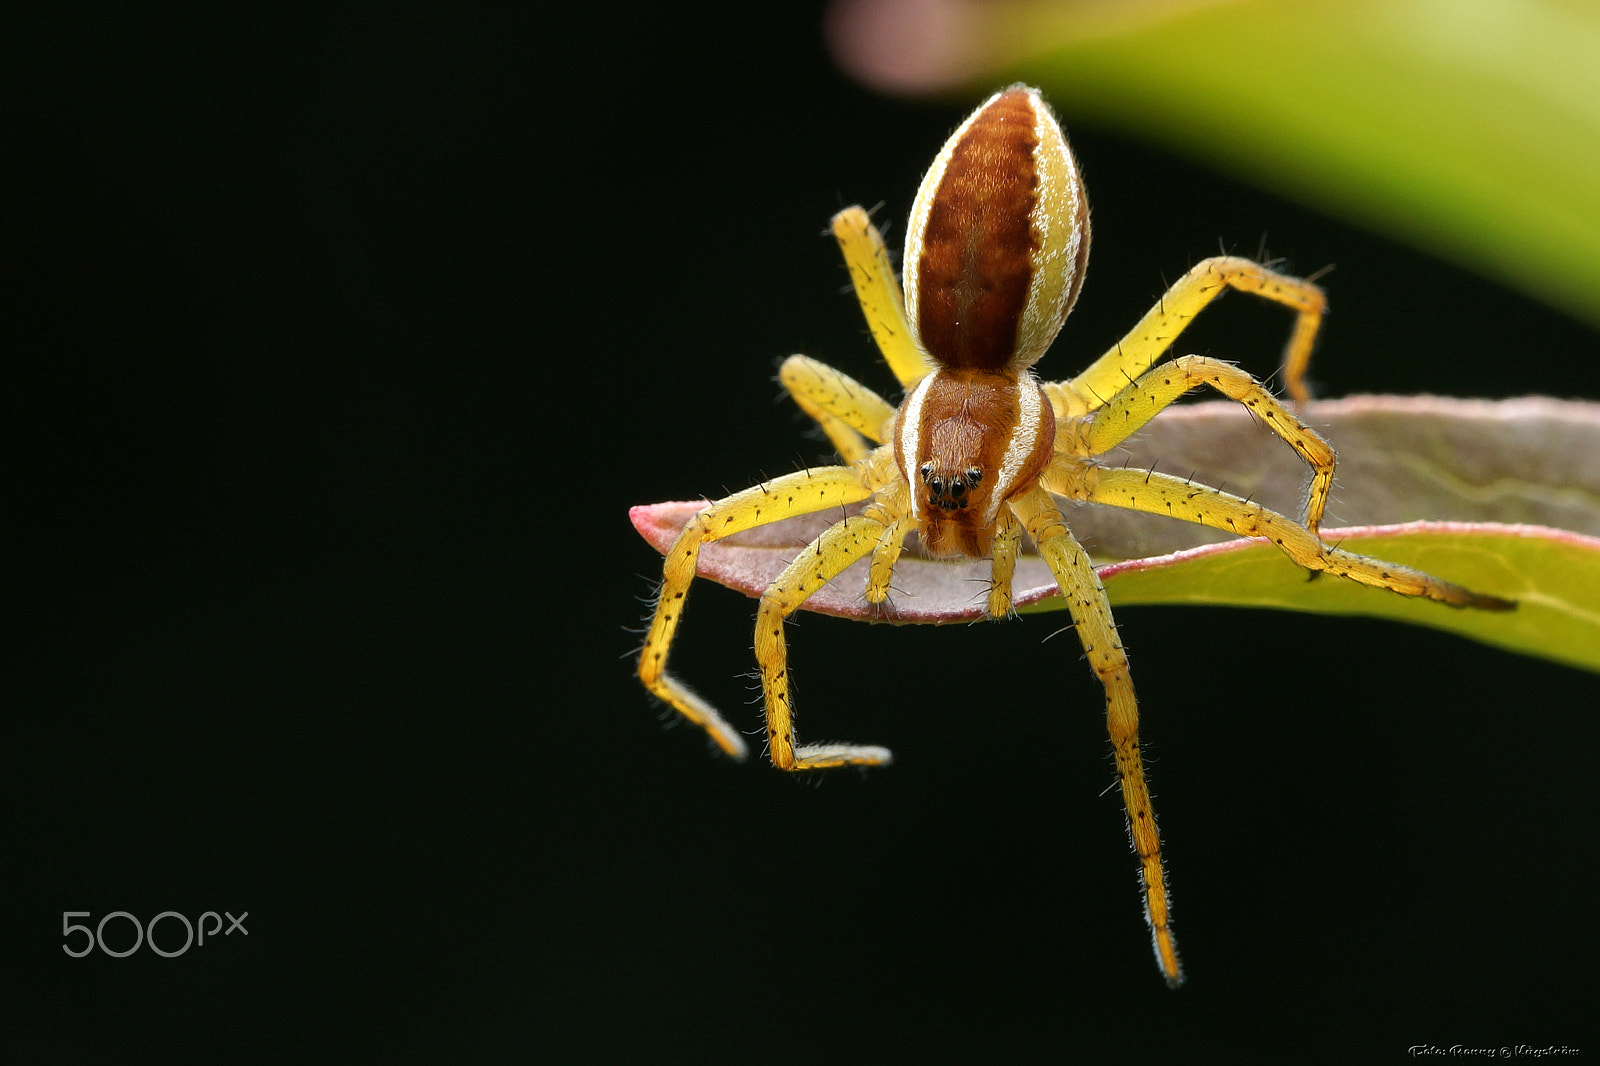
<point>828,756</point>
<point>700,713</point>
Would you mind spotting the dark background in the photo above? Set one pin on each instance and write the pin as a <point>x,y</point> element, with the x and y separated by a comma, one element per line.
<point>335,348</point>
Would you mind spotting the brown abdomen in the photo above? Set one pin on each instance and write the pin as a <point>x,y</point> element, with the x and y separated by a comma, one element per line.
<point>976,264</point>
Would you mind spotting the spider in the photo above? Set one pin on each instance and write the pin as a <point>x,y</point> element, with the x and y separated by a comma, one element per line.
<point>970,461</point>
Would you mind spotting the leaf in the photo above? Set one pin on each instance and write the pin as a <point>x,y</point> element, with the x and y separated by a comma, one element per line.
<point>1470,129</point>
<point>1494,479</point>
<point>1554,576</point>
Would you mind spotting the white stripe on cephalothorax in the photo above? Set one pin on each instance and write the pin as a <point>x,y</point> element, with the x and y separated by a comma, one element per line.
<point>1024,439</point>
<point>910,430</point>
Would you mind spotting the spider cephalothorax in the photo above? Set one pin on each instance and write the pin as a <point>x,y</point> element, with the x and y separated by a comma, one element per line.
<point>977,452</point>
<point>968,440</point>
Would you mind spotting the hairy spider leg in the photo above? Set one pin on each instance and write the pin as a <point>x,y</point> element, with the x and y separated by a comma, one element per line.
<point>851,414</point>
<point>820,562</point>
<point>1149,340</point>
<point>887,553</point>
<point>1132,407</point>
<point>1003,564</point>
<point>1156,493</point>
<point>1091,615</point>
<point>803,492</point>
<point>878,289</point>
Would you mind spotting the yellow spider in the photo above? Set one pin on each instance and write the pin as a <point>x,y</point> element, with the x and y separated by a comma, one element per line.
<point>996,247</point>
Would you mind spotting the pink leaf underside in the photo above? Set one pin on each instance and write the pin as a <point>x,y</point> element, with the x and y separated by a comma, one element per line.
<point>1407,466</point>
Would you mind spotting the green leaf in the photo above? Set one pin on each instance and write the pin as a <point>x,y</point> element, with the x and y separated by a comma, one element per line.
<point>1553,575</point>
<point>1471,129</point>
<point>1492,479</point>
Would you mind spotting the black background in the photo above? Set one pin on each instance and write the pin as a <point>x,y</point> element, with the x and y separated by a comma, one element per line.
<point>335,348</point>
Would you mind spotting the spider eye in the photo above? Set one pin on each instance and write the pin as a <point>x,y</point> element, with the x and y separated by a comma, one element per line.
<point>948,492</point>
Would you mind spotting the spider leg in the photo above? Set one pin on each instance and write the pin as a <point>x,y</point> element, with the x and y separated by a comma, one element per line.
<point>878,289</point>
<point>851,414</point>
<point>1003,564</point>
<point>1091,614</point>
<point>1139,402</point>
<point>794,494</point>
<point>1143,490</point>
<point>1149,340</point>
<point>823,560</point>
<point>885,555</point>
